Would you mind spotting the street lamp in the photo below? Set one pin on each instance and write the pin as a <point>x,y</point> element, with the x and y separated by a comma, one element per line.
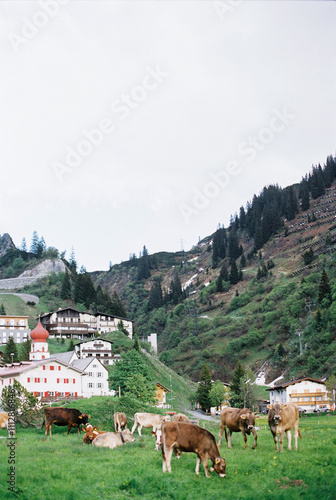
<point>12,354</point>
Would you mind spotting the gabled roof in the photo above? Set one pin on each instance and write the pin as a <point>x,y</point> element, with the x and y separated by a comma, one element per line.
<point>162,387</point>
<point>286,384</point>
<point>93,340</point>
<point>63,356</point>
<point>82,364</point>
<point>18,368</point>
<point>66,309</point>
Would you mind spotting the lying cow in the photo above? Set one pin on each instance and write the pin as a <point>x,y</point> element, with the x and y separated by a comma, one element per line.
<point>148,420</point>
<point>179,417</point>
<point>190,437</point>
<point>282,418</point>
<point>113,439</point>
<point>120,420</point>
<point>90,433</point>
<point>237,420</point>
<point>64,416</point>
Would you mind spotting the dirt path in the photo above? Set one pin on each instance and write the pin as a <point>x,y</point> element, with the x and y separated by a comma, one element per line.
<point>24,296</point>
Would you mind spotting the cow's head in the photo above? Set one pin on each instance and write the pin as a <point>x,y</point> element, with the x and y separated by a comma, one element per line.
<point>219,465</point>
<point>248,420</point>
<point>158,438</point>
<point>274,414</point>
<point>166,418</point>
<point>127,435</point>
<point>83,418</point>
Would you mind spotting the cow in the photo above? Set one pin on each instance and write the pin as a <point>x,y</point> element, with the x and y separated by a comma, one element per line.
<point>191,437</point>
<point>90,433</point>
<point>113,439</point>
<point>3,420</point>
<point>64,416</point>
<point>179,417</point>
<point>7,421</point>
<point>120,420</point>
<point>148,420</point>
<point>282,417</point>
<point>237,420</point>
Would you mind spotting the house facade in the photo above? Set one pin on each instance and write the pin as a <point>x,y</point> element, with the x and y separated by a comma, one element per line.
<point>161,395</point>
<point>308,393</point>
<point>98,348</point>
<point>14,326</point>
<point>71,323</point>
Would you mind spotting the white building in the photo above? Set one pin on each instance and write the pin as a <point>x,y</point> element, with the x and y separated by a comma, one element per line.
<point>14,326</point>
<point>308,393</point>
<point>98,348</point>
<point>60,375</point>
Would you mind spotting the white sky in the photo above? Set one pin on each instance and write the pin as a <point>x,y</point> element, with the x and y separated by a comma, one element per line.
<point>226,70</point>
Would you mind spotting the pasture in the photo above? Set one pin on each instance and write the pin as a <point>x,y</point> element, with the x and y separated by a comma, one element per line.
<point>62,467</point>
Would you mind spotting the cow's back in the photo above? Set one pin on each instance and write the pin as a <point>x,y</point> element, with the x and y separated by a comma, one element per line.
<point>179,417</point>
<point>289,415</point>
<point>108,440</point>
<point>187,436</point>
<point>230,418</point>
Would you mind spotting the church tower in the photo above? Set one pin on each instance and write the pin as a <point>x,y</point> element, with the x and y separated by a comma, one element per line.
<point>39,349</point>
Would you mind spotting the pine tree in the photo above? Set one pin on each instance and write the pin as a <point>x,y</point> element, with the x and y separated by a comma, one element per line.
<point>25,350</point>
<point>144,265</point>
<point>118,308</point>
<point>324,288</point>
<point>136,344</point>
<point>71,346</point>
<point>224,273</point>
<point>155,295</point>
<point>305,203</point>
<point>234,276</point>
<point>23,245</point>
<point>72,262</point>
<point>176,292</point>
<point>10,351</point>
<point>233,245</point>
<point>204,388</point>
<point>2,310</point>
<point>219,284</point>
<point>236,398</point>
<point>66,286</point>
<point>219,246</point>
<point>34,247</point>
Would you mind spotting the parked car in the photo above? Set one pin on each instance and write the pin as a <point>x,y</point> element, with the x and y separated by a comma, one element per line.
<point>321,409</point>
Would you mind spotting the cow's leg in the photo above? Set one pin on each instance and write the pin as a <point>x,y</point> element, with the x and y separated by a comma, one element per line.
<point>139,429</point>
<point>198,461</point>
<point>245,439</point>
<point>289,439</point>
<point>276,441</point>
<point>134,426</point>
<point>255,438</point>
<point>168,454</point>
<point>205,465</point>
<point>220,435</point>
<point>228,437</point>
<point>281,440</point>
<point>296,434</point>
<point>69,427</point>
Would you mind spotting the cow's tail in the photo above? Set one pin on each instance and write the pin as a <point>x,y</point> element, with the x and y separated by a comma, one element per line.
<point>43,423</point>
<point>163,445</point>
<point>299,433</point>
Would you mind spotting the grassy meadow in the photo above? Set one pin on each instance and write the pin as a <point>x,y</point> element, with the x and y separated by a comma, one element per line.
<point>62,466</point>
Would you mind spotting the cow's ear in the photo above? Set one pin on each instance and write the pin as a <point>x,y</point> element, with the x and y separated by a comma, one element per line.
<point>217,460</point>
<point>269,407</point>
<point>257,416</point>
<point>284,406</point>
<point>88,416</point>
<point>95,428</point>
<point>243,416</point>
<point>80,417</point>
<point>152,432</point>
<point>211,469</point>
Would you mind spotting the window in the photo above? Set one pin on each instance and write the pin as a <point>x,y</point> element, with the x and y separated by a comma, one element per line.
<point>307,399</point>
<point>45,380</point>
<point>99,374</point>
<point>58,381</point>
<point>90,374</point>
<point>90,384</point>
<point>37,380</point>
<point>294,400</point>
<point>28,379</point>
<point>73,380</point>
<point>99,385</point>
<point>59,368</point>
<point>52,367</point>
<point>319,398</point>
<point>66,380</point>
<point>43,367</point>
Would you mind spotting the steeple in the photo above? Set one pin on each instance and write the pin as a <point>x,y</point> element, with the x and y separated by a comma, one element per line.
<point>39,349</point>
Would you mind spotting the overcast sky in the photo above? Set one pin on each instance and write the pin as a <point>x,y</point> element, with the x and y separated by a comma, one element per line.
<point>137,123</point>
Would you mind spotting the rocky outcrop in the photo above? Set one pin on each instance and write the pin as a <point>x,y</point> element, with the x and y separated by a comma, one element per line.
<point>28,277</point>
<point>6,244</point>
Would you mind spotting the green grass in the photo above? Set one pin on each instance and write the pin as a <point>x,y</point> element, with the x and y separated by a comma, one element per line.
<point>62,467</point>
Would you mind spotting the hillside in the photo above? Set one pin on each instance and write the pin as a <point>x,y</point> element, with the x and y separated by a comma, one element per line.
<point>252,292</point>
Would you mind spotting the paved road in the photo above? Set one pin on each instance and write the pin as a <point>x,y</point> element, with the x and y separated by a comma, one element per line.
<point>25,296</point>
<point>202,416</point>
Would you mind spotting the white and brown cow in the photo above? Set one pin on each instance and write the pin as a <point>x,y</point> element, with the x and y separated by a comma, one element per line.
<point>237,420</point>
<point>179,417</point>
<point>90,433</point>
<point>120,421</point>
<point>148,420</point>
<point>192,438</point>
<point>113,439</point>
<point>282,417</point>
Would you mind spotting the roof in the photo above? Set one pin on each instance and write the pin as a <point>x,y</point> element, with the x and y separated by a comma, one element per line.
<point>286,384</point>
<point>64,309</point>
<point>94,340</point>
<point>162,387</point>
<point>82,364</point>
<point>17,368</point>
<point>63,356</point>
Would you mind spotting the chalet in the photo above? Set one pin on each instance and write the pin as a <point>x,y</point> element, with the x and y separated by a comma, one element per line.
<point>14,326</point>
<point>71,323</point>
<point>308,393</point>
<point>98,348</point>
<point>160,395</point>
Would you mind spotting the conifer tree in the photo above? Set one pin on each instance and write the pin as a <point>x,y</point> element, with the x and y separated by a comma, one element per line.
<point>2,310</point>
<point>204,388</point>
<point>236,398</point>
<point>24,245</point>
<point>155,295</point>
<point>219,284</point>
<point>25,350</point>
<point>118,307</point>
<point>34,247</point>
<point>234,276</point>
<point>136,344</point>
<point>10,351</point>
<point>176,292</point>
<point>324,287</point>
<point>219,246</point>
<point>224,273</point>
<point>66,286</point>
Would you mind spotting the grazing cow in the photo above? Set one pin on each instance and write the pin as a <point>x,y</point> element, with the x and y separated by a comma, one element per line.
<point>190,437</point>
<point>148,420</point>
<point>90,433</point>
<point>282,417</point>
<point>3,420</point>
<point>120,420</point>
<point>237,420</point>
<point>64,416</point>
<point>113,439</point>
<point>179,417</point>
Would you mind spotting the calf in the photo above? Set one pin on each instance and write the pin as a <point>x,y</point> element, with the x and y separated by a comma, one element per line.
<point>154,420</point>
<point>120,420</point>
<point>90,433</point>
<point>179,417</point>
<point>282,418</point>
<point>113,439</point>
<point>237,420</point>
<point>64,416</point>
<point>190,437</point>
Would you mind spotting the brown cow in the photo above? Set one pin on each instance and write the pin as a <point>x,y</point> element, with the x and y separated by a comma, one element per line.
<point>179,417</point>
<point>120,420</point>
<point>282,417</point>
<point>190,437</point>
<point>64,416</point>
<point>146,420</point>
<point>237,420</point>
<point>113,439</point>
<point>90,433</point>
